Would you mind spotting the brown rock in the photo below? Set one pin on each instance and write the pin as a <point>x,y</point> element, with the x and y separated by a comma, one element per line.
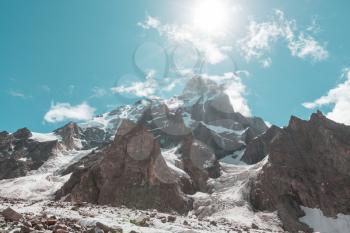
<point>214,223</point>
<point>11,215</point>
<point>199,162</point>
<point>107,229</point>
<point>61,231</point>
<point>171,218</point>
<point>142,220</point>
<point>254,226</point>
<point>51,221</point>
<point>131,172</point>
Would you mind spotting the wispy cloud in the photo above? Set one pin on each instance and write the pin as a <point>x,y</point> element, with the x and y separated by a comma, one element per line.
<point>139,88</point>
<point>64,111</point>
<point>71,89</point>
<point>307,47</point>
<point>339,98</point>
<point>262,36</point>
<point>98,92</point>
<point>18,94</point>
<point>45,88</point>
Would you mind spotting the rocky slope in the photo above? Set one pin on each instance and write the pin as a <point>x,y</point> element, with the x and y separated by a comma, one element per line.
<point>130,172</point>
<point>19,153</point>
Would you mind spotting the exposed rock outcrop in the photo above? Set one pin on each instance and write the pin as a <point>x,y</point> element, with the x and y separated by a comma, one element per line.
<point>308,165</point>
<point>20,154</point>
<point>257,149</point>
<point>199,162</point>
<point>132,172</point>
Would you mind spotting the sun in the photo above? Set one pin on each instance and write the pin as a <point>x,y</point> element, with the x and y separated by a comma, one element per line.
<point>211,16</point>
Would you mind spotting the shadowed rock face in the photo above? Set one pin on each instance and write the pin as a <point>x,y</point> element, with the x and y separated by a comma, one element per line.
<point>309,165</point>
<point>168,126</point>
<point>199,162</point>
<point>257,149</point>
<point>130,172</point>
<point>20,154</point>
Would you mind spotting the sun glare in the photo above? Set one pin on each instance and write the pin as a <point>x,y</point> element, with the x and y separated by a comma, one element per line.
<point>211,16</point>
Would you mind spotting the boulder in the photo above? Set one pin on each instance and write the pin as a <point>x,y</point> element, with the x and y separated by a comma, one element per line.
<point>11,215</point>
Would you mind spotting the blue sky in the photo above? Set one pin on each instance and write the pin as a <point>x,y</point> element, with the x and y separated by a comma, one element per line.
<point>67,60</point>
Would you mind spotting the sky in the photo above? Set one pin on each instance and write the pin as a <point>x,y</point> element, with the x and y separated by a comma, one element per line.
<point>69,60</point>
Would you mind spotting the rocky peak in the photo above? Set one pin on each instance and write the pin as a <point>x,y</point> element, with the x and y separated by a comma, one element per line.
<point>70,134</point>
<point>23,133</point>
<point>132,172</point>
<point>308,166</point>
<point>199,86</point>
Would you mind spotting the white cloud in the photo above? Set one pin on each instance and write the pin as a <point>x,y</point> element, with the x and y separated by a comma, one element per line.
<point>307,47</point>
<point>64,111</point>
<point>339,98</point>
<point>139,88</point>
<point>266,63</point>
<point>262,36</point>
<point>150,22</point>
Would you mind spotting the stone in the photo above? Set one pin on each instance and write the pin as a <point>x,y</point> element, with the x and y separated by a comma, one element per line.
<point>171,218</point>
<point>51,221</point>
<point>213,223</point>
<point>142,220</point>
<point>11,215</point>
<point>106,228</point>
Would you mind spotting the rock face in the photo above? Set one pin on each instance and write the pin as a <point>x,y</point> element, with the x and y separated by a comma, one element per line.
<point>20,154</point>
<point>132,172</point>
<point>76,138</point>
<point>258,148</point>
<point>308,165</point>
<point>199,162</point>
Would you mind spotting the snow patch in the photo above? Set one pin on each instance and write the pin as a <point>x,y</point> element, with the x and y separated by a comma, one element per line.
<point>45,137</point>
<point>234,158</point>
<point>173,161</point>
<point>315,219</point>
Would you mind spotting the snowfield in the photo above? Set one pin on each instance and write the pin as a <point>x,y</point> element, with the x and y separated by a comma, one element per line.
<point>41,184</point>
<point>228,199</point>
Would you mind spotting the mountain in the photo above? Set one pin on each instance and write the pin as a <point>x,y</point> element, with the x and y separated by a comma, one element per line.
<point>193,156</point>
<point>308,166</point>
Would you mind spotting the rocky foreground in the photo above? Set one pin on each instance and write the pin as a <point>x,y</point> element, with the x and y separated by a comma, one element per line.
<point>62,217</point>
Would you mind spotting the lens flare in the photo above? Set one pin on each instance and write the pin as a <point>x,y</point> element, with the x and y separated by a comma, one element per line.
<point>211,16</point>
